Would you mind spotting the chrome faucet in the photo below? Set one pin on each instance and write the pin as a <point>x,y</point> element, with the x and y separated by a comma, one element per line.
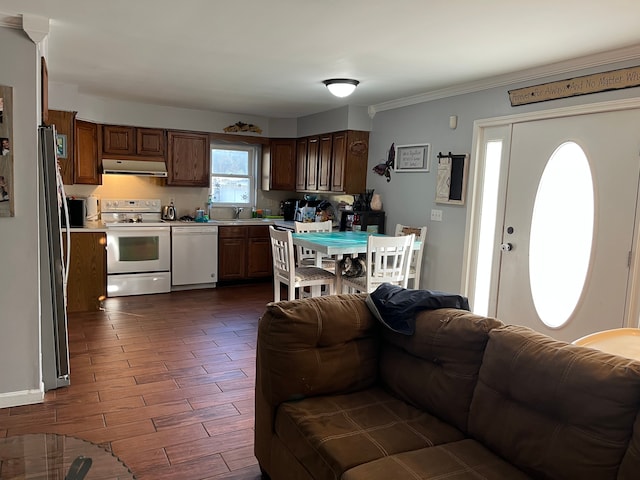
<point>237,211</point>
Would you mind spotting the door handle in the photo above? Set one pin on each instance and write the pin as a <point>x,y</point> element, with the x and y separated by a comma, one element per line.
<point>506,247</point>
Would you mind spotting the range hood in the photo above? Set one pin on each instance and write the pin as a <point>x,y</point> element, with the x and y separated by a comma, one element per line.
<point>140,168</point>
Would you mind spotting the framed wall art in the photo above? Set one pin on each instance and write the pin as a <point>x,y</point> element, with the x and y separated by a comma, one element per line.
<point>412,158</point>
<point>6,154</point>
<point>61,145</point>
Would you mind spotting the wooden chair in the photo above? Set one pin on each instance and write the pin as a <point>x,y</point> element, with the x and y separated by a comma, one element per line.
<point>416,256</point>
<point>306,256</point>
<point>285,271</point>
<point>387,262</point>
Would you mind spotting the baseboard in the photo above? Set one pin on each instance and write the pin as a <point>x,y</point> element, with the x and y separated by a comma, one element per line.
<point>23,397</point>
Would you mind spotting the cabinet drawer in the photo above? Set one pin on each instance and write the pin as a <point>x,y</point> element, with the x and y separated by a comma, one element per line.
<point>232,232</point>
<point>258,231</point>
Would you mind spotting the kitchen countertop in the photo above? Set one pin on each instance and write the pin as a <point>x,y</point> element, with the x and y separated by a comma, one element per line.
<point>99,226</point>
<point>222,223</point>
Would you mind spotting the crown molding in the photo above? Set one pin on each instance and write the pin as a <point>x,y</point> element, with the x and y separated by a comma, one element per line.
<point>10,20</point>
<point>596,60</point>
<point>36,26</point>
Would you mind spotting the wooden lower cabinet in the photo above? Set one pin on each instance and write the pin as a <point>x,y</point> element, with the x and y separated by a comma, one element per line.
<point>244,252</point>
<point>259,263</point>
<point>87,284</point>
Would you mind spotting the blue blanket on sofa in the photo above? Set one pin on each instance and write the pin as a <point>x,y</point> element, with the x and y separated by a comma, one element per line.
<point>396,307</point>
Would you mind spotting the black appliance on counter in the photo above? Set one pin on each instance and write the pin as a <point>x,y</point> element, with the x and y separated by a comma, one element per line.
<point>289,209</point>
<point>77,212</point>
<point>370,220</point>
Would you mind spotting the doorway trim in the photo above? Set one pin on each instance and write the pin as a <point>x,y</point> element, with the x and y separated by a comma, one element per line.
<point>632,307</point>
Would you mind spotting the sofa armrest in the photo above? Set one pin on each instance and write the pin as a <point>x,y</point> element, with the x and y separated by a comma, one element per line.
<point>316,346</point>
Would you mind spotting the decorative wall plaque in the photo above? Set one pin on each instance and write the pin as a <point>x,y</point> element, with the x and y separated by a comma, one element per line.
<point>595,83</point>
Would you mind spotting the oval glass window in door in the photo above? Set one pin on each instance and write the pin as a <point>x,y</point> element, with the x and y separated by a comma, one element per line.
<point>561,234</point>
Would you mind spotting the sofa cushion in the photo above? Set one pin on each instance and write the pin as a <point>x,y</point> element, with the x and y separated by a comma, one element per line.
<point>553,409</point>
<point>630,467</point>
<point>466,459</point>
<point>331,434</point>
<point>445,353</point>
<point>317,346</point>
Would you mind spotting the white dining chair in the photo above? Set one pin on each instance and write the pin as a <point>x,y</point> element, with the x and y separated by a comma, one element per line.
<point>387,261</point>
<point>285,270</point>
<point>306,256</point>
<point>415,266</point>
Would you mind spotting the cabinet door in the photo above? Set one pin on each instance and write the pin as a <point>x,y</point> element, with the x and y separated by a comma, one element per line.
<point>312,163</point>
<point>188,159</point>
<point>259,263</point>
<point>151,142</point>
<point>64,122</point>
<point>282,175</point>
<point>324,163</point>
<point>87,146</point>
<point>232,253</point>
<point>301,163</point>
<point>355,153</point>
<point>338,158</point>
<point>117,140</point>
<point>87,286</point>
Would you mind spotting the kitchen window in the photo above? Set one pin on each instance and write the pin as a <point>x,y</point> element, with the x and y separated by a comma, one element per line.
<point>233,174</point>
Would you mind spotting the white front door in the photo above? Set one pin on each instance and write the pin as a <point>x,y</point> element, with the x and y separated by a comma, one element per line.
<point>611,145</point>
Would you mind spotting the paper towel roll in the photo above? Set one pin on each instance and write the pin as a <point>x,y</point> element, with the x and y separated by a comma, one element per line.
<point>92,208</point>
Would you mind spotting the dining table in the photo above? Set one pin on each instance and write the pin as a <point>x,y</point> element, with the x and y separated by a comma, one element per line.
<point>337,244</point>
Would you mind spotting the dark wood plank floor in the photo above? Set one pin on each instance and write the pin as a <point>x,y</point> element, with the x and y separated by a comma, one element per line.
<point>164,381</point>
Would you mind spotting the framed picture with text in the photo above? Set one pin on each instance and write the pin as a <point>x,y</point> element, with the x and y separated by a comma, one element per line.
<point>412,158</point>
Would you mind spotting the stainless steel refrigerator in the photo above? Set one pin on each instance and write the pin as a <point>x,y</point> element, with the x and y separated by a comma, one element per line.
<point>53,265</point>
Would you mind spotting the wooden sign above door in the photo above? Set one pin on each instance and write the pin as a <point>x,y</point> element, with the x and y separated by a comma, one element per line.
<point>586,84</point>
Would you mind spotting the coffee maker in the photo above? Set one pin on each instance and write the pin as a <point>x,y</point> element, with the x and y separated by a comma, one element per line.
<point>289,208</point>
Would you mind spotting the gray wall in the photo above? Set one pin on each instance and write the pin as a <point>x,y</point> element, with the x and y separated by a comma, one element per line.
<point>409,197</point>
<point>19,293</point>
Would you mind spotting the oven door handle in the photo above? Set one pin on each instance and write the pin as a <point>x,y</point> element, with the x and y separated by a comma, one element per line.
<point>140,231</point>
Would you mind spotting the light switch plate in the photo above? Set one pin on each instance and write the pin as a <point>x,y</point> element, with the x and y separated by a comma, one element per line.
<point>436,215</point>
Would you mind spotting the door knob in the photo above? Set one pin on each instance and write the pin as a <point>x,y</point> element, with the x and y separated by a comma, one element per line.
<point>506,247</point>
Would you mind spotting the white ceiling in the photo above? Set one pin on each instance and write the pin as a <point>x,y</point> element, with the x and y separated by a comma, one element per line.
<point>269,57</point>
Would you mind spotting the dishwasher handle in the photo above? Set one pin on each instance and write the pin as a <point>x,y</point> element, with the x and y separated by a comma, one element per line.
<point>194,230</point>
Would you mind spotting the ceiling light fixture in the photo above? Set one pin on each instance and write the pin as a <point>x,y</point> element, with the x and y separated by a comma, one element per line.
<point>341,87</point>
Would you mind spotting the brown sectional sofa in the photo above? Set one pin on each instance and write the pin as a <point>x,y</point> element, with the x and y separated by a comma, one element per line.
<point>339,396</point>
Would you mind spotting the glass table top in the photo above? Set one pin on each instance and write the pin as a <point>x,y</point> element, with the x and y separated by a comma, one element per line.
<point>48,456</point>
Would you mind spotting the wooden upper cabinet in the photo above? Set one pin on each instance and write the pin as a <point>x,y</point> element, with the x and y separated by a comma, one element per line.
<point>349,161</point>
<point>324,163</point>
<point>64,123</point>
<point>301,163</point>
<point>188,161</point>
<point>133,143</point>
<point>338,158</point>
<point>312,163</point>
<point>280,159</point>
<point>151,142</point>
<point>118,140</point>
<point>87,146</point>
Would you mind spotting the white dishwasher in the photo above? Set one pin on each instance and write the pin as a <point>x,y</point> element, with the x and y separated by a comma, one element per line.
<point>194,255</point>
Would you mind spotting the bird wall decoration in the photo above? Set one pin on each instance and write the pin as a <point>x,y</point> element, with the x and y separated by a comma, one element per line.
<point>385,168</point>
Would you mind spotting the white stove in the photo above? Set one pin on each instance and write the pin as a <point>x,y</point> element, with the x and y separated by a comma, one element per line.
<point>131,212</point>
<point>138,247</point>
